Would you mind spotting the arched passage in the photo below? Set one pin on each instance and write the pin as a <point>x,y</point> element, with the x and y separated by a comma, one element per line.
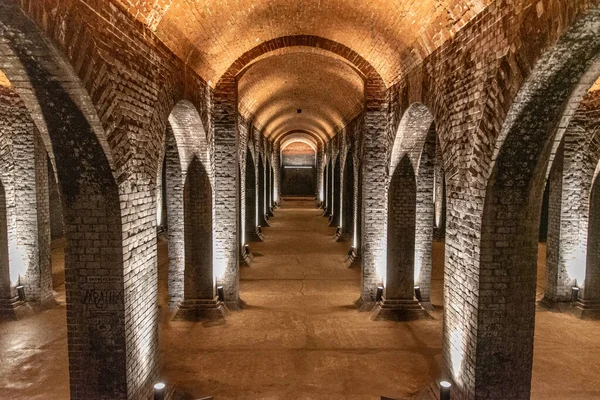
<point>261,205</point>
<point>348,221</point>
<point>250,199</point>
<point>185,140</point>
<point>330,184</point>
<point>94,273</point>
<point>268,188</point>
<point>506,268</point>
<point>337,193</point>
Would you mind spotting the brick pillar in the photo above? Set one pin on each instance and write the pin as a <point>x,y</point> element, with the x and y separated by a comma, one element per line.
<point>277,173</point>
<point>589,304</point>
<point>27,200</point>
<point>225,188</point>
<point>425,216</point>
<point>557,288</point>
<point>261,190</point>
<point>200,302</point>
<point>374,192</point>
<point>250,199</point>
<point>330,185</point>
<point>440,194</point>
<point>6,293</point>
<point>348,195</point>
<point>337,192</point>
<point>402,204</point>
<point>320,170</point>
<point>268,189</point>
<point>175,220</point>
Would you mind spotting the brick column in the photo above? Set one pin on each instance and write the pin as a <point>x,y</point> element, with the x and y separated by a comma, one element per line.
<point>174,185</point>
<point>557,289</point>
<point>425,217</point>
<point>277,172</point>
<point>374,192</point>
<point>225,189</point>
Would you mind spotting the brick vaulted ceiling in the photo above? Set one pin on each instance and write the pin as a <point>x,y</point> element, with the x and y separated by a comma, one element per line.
<point>392,35</point>
<point>327,90</point>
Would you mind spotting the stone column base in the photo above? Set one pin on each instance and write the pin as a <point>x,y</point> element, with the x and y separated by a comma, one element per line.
<point>398,310</point>
<point>587,309</point>
<point>14,309</point>
<point>267,223</point>
<point>209,310</point>
<point>363,306</point>
<point>581,309</point>
<point>338,237</point>
<point>259,235</point>
<point>238,305</point>
<point>246,258</point>
<point>353,259</point>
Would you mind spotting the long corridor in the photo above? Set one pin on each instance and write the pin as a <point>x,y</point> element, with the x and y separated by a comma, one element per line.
<point>300,336</point>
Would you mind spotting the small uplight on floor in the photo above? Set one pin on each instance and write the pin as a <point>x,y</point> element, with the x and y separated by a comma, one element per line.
<point>21,292</point>
<point>445,387</point>
<point>418,293</point>
<point>574,294</point>
<point>379,295</point>
<point>159,391</point>
<point>220,293</point>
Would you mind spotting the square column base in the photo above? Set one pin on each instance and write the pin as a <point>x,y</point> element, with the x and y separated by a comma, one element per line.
<point>353,259</point>
<point>209,310</point>
<point>398,310</point>
<point>587,309</point>
<point>14,309</point>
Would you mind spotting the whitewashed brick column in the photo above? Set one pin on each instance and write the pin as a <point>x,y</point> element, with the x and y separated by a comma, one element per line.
<point>226,175</point>
<point>374,190</point>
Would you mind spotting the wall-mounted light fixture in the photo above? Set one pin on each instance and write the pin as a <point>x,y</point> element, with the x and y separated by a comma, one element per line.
<point>379,295</point>
<point>574,294</point>
<point>418,293</point>
<point>220,293</point>
<point>445,387</point>
<point>159,391</point>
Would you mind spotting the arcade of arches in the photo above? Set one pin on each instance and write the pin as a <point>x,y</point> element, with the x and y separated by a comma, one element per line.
<point>299,199</point>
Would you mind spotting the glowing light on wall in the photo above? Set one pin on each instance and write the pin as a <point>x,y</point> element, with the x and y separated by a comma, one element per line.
<point>381,269</point>
<point>576,262</point>
<point>17,264</point>
<point>417,269</point>
<point>456,352</point>
<point>219,268</point>
<point>159,210</point>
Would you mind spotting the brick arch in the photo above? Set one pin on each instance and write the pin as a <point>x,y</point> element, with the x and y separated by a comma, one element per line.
<point>416,139</point>
<point>511,213</point>
<point>185,141</point>
<point>99,359</point>
<point>318,140</point>
<point>353,58</point>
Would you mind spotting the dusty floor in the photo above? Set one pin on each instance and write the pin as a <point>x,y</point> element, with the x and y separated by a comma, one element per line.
<point>300,337</point>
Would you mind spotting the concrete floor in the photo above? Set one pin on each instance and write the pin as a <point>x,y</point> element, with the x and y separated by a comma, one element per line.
<point>300,337</point>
